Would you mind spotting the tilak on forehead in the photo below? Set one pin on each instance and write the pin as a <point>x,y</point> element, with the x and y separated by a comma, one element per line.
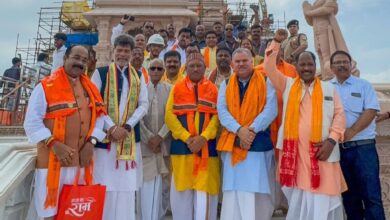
<point>195,56</point>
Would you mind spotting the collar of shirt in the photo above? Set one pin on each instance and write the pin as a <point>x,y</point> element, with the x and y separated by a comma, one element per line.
<point>349,81</point>
<point>244,81</point>
<point>122,69</point>
<point>308,88</point>
<point>63,48</point>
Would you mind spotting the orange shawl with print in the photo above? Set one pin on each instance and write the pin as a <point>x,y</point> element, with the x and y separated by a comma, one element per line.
<point>244,113</point>
<point>59,93</point>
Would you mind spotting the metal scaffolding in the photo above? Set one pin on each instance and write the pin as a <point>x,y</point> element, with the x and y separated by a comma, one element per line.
<point>50,21</point>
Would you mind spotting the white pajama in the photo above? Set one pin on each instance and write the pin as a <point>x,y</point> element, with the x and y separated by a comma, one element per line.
<point>37,206</point>
<point>307,205</point>
<point>119,205</point>
<point>151,199</point>
<point>238,205</point>
<point>193,205</point>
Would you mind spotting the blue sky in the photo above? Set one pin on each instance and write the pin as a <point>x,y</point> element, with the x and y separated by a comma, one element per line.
<point>364,23</point>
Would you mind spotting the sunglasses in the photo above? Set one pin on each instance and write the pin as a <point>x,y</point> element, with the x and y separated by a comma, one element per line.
<point>149,27</point>
<point>228,29</point>
<point>154,68</point>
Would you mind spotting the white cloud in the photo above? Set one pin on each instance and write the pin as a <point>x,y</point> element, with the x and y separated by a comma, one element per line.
<point>382,77</point>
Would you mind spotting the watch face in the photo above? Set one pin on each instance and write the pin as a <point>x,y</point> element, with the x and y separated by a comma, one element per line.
<point>93,141</point>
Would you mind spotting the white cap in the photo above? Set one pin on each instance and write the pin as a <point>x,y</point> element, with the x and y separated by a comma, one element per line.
<point>156,39</point>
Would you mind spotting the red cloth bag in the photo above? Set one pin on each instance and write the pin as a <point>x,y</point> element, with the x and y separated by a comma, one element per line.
<point>81,202</point>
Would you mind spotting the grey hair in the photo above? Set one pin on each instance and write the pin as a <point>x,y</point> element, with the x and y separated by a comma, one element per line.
<point>242,50</point>
<point>124,40</point>
<point>157,60</point>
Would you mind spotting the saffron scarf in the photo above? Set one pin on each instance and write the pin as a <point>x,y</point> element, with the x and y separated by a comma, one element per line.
<point>288,169</point>
<point>126,150</point>
<point>244,113</point>
<point>185,103</point>
<point>65,95</point>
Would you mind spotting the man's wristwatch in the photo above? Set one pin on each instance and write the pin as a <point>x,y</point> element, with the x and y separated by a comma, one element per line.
<point>127,127</point>
<point>332,141</point>
<point>92,140</point>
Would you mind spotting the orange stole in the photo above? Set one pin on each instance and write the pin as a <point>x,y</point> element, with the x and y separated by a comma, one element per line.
<point>287,70</point>
<point>145,74</point>
<point>245,114</point>
<point>185,103</point>
<point>59,96</point>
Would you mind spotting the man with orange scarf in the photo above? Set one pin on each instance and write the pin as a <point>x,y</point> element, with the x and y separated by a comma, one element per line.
<point>64,118</point>
<point>313,123</point>
<point>246,107</point>
<point>210,51</point>
<point>191,115</point>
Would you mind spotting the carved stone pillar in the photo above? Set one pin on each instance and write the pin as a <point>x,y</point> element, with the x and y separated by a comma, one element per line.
<point>103,48</point>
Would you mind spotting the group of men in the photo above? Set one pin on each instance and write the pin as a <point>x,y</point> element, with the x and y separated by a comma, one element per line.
<point>173,133</point>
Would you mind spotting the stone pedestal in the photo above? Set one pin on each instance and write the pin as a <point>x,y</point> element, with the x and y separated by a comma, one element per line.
<point>108,13</point>
<point>383,145</point>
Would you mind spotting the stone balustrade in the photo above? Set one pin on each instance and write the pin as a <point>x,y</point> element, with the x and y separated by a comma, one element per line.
<point>17,163</point>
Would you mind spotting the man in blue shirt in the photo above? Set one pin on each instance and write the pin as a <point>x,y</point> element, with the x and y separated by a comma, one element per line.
<point>359,158</point>
<point>245,141</point>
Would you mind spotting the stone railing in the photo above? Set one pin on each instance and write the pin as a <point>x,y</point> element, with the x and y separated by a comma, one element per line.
<point>17,164</point>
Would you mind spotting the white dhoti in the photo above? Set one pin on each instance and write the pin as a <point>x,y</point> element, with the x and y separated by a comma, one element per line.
<point>119,206</point>
<point>37,206</point>
<point>151,199</point>
<point>121,183</point>
<point>193,205</point>
<point>238,205</point>
<point>308,206</point>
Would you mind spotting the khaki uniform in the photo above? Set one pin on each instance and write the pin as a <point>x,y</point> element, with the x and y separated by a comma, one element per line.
<point>292,43</point>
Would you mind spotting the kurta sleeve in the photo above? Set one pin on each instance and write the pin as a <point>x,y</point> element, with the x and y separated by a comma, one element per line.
<point>277,78</point>
<point>173,123</point>
<point>211,131</point>
<point>36,130</point>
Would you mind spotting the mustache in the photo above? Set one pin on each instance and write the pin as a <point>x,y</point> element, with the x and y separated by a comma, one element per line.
<point>78,66</point>
<point>341,68</point>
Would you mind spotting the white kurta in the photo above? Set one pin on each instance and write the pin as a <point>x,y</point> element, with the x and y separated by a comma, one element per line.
<point>36,131</point>
<point>58,58</point>
<point>106,173</point>
<point>121,183</point>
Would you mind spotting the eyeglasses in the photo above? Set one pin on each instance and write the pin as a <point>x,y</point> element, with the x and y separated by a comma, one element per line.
<point>149,27</point>
<point>154,68</point>
<point>344,62</point>
<point>228,29</point>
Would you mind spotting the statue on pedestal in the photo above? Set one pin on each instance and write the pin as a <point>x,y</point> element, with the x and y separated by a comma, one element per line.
<point>327,33</point>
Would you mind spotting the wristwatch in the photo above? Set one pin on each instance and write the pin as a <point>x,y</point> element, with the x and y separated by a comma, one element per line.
<point>127,127</point>
<point>332,141</point>
<point>93,140</point>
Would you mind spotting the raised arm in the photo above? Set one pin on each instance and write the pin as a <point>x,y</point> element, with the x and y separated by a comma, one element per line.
<point>277,78</point>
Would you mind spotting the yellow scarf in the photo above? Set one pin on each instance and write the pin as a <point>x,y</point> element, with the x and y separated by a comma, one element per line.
<point>126,150</point>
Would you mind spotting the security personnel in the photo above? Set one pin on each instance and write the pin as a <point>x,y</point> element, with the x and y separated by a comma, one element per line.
<point>295,44</point>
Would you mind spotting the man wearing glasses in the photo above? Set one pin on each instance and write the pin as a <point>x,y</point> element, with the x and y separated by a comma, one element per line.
<point>229,40</point>
<point>155,141</point>
<point>359,158</point>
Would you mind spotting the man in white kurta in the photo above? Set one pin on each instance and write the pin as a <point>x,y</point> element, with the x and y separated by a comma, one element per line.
<point>59,52</point>
<point>121,181</point>
<point>155,141</point>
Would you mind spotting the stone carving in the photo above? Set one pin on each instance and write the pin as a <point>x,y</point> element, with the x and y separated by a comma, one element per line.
<point>327,33</point>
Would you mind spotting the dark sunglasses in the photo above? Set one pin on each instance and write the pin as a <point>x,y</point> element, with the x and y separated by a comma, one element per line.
<point>228,29</point>
<point>154,68</point>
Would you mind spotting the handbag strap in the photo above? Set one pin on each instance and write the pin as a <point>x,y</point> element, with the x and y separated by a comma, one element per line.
<point>88,181</point>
